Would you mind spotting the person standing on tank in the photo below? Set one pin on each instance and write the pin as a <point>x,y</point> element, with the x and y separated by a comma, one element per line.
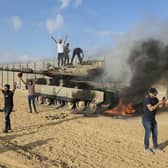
<point>66,54</point>
<point>8,104</point>
<point>31,93</point>
<point>60,49</point>
<point>79,53</point>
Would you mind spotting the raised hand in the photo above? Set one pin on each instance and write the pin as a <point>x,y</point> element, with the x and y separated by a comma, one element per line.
<point>20,74</point>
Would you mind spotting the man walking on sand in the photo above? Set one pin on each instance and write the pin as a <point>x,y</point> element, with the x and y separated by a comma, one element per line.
<point>31,94</point>
<point>8,104</point>
<point>151,104</point>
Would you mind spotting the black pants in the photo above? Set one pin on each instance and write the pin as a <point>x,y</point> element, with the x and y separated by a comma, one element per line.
<point>66,58</point>
<point>79,57</point>
<point>31,100</point>
<point>7,111</point>
<point>60,59</point>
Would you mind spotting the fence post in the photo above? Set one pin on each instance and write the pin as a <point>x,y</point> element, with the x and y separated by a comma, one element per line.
<point>20,83</point>
<point>2,75</point>
<point>13,74</point>
<point>43,66</point>
<point>35,70</point>
<point>27,66</point>
<point>7,73</point>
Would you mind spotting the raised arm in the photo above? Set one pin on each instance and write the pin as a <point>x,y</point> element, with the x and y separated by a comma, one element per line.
<point>14,87</point>
<point>54,39</point>
<point>1,89</point>
<point>23,81</point>
<point>65,39</point>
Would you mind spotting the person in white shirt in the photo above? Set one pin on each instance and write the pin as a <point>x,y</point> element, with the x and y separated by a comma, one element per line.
<point>60,50</point>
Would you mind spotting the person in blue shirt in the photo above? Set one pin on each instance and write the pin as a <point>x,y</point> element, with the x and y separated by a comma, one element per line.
<point>151,104</point>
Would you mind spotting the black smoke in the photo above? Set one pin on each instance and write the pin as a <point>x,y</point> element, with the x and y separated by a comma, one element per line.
<point>148,61</point>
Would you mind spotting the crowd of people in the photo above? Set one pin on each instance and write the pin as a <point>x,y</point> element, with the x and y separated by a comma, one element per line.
<point>64,50</point>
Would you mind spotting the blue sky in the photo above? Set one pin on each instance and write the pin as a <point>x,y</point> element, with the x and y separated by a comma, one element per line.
<point>26,25</point>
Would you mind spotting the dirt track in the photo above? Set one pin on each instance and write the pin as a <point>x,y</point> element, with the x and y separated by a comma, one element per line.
<point>41,140</point>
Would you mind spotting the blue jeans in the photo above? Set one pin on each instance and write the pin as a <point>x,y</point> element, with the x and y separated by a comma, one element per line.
<point>31,100</point>
<point>150,126</point>
<point>7,111</point>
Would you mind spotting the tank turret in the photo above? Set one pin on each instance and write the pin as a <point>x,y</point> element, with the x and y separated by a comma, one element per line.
<point>76,87</point>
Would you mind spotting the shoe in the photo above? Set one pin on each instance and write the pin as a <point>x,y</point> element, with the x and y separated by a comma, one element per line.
<point>157,150</point>
<point>5,131</point>
<point>29,111</point>
<point>149,151</point>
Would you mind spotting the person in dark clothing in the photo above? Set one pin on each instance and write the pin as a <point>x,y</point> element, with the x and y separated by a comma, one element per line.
<point>66,54</point>
<point>151,104</point>
<point>79,53</point>
<point>8,104</point>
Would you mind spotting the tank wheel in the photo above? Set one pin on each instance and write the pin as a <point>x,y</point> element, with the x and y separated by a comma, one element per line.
<point>40,100</point>
<point>48,101</point>
<point>69,105</point>
<point>58,103</point>
<point>80,105</point>
<point>91,107</point>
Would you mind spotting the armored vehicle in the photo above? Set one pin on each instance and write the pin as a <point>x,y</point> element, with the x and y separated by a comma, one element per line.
<point>76,87</point>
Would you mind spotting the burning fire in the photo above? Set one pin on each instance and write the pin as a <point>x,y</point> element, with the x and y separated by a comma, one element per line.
<point>122,109</point>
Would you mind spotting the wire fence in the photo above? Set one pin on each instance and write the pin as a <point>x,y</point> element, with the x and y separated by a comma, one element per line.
<point>11,76</point>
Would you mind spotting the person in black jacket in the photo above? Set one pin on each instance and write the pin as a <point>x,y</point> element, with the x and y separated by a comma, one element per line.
<point>8,104</point>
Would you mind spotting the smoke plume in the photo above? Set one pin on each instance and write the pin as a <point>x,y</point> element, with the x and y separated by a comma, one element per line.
<point>139,57</point>
<point>148,61</point>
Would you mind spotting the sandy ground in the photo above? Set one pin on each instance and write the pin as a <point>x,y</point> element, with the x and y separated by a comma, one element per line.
<point>44,141</point>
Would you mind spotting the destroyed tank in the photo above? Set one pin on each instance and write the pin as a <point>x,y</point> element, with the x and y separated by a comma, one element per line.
<point>75,87</point>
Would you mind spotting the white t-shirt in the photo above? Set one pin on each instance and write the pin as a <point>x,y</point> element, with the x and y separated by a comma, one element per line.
<point>60,47</point>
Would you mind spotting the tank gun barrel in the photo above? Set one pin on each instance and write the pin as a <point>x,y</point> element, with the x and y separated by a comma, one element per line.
<point>24,70</point>
<point>90,70</point>
<point>48,73</point>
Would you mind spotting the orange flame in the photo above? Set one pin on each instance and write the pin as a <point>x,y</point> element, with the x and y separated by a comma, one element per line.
<point>122,109</point>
